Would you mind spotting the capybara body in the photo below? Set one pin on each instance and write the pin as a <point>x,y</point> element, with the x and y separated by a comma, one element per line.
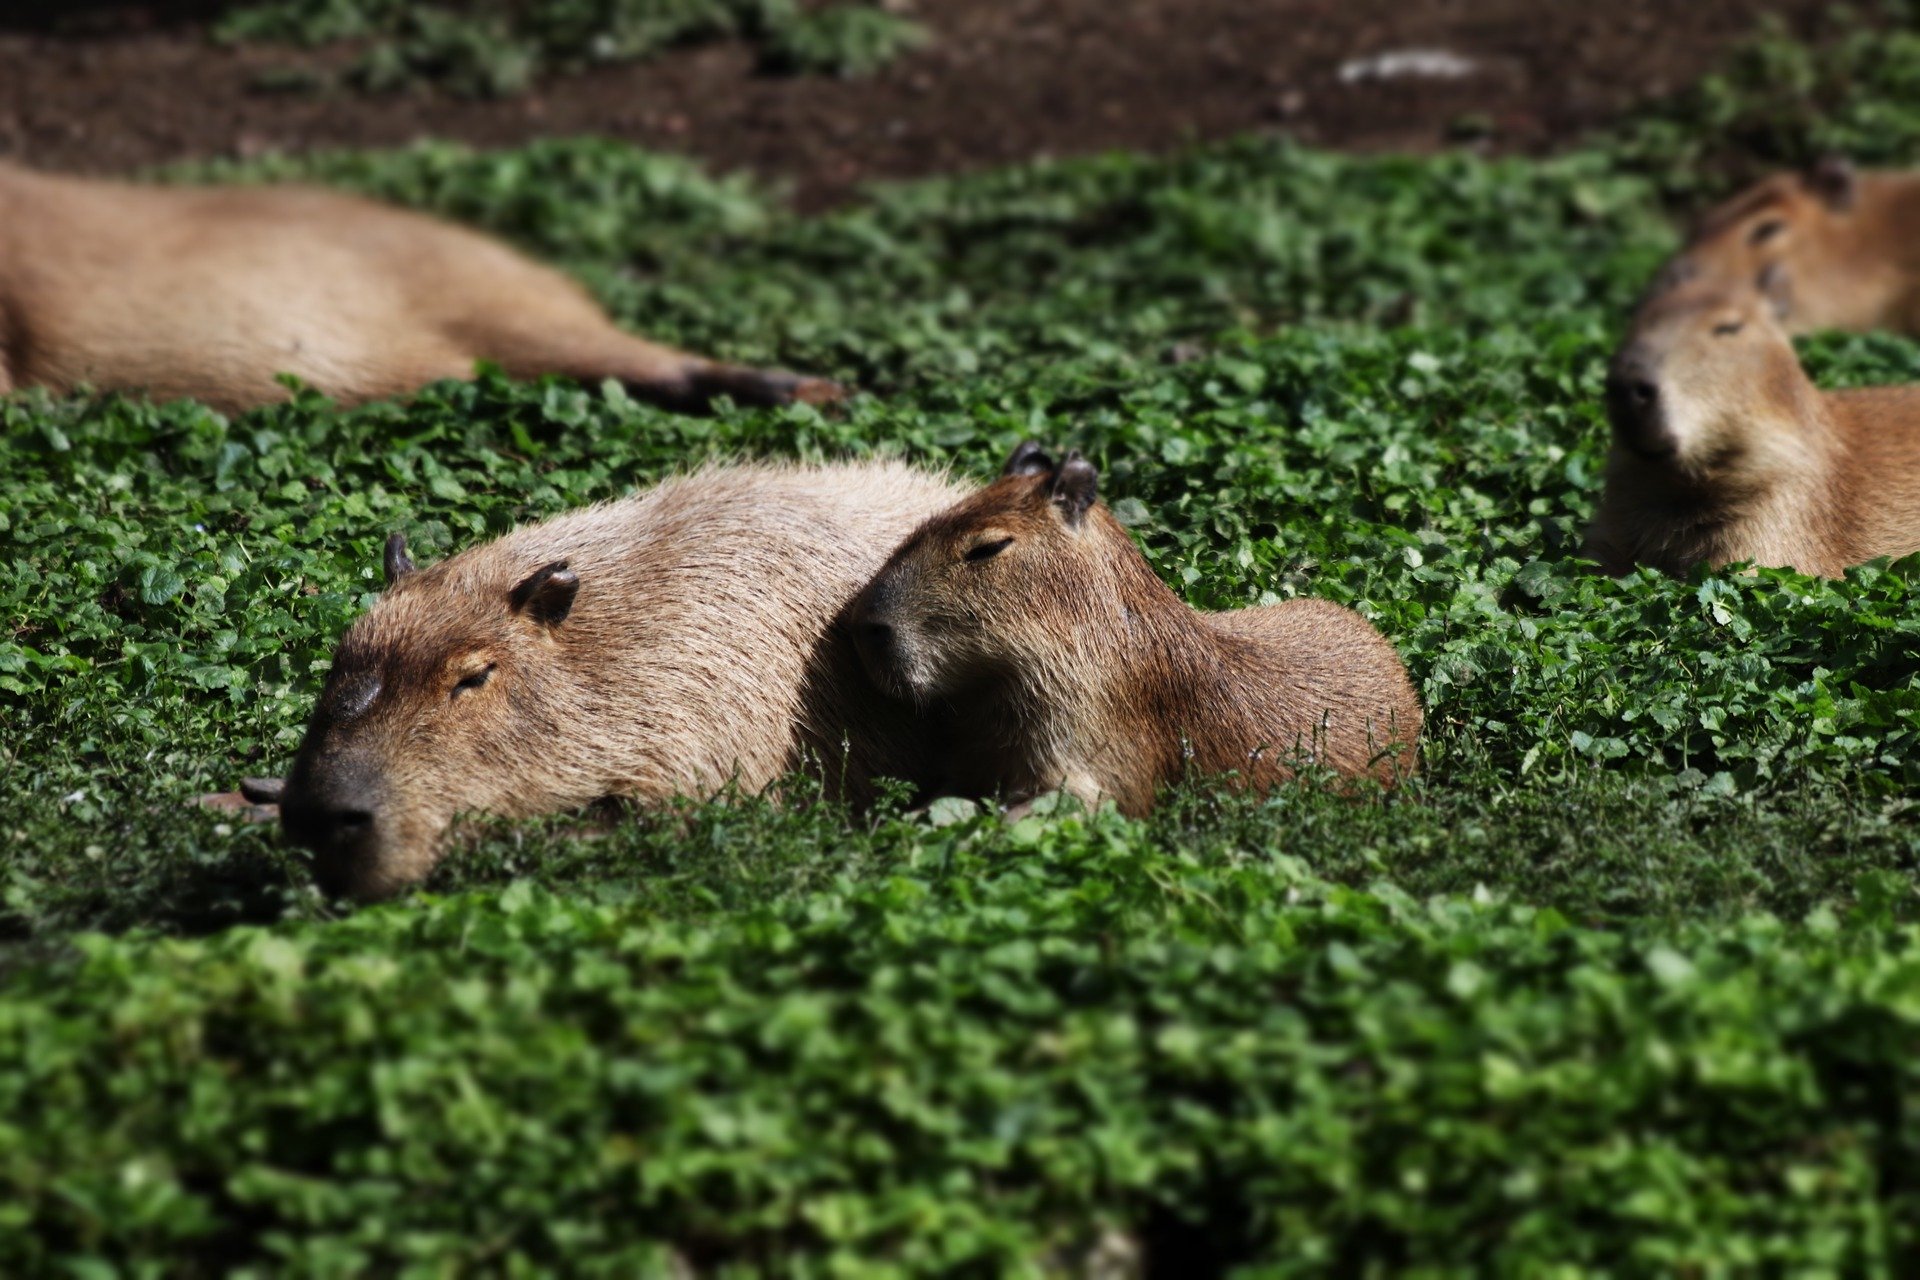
<point>1830,248</point>
<point>211,292</point>
<point>673,643</point>
<point>1723,448</point>
<point>1029,624</point>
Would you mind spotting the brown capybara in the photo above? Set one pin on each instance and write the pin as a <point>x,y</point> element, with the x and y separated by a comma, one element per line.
<point>1723,449</point>
<point>1830,248</point>
<point>673,643</point>
<point>209,292</point>
<point>1027,622</point>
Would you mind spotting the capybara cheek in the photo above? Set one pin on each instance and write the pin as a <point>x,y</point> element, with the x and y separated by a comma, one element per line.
<point>419,840</point>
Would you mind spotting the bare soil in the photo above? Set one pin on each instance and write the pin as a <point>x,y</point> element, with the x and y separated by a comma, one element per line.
<point>107,86</point>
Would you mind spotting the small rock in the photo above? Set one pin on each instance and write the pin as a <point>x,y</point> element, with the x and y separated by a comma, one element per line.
<point>1408,64</point>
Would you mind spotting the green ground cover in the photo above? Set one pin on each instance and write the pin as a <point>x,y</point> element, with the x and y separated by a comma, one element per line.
<point>1626,981</point>
<point>499,49</point>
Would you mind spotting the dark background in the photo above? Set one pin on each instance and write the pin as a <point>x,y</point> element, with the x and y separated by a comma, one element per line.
<point>108,87</point>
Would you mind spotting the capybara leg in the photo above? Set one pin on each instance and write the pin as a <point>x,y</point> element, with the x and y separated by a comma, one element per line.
<point>762,387</point>
<point>666,376</point>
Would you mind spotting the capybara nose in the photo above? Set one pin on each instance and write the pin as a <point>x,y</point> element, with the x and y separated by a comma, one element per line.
<point>1634,407</point>
<point>325,826</point>
<point>349,824</point>
<point>875,641</point>
<point>1635,395</point>
<point>341,840</point>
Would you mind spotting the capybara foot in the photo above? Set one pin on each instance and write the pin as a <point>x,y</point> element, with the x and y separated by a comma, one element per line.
<point>820,391</point>
<point>241,805</point>
<point>263,790</point>
<point>765,388</point>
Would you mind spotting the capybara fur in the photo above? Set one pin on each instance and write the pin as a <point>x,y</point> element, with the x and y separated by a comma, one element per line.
<point>1026,621</point>
<point>1830,247</point>
<point>1723,448</point>
<point>210,292</point>
<point>674,643</point>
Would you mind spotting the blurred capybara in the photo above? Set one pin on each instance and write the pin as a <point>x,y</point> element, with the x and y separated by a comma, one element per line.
<point>209,292</point>
<point>1723,448</point>
<point>1830,248</point>
<point>669,644</point>
<point>1028,622</point>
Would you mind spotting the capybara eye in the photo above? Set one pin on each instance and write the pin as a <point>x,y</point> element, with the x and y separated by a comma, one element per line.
<point>1729,328</point>
<point>474,681</point>
<point>987,550</point>
<point>1766,231</point>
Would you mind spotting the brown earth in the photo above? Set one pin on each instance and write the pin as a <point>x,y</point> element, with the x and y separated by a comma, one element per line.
<point>1002,80</point>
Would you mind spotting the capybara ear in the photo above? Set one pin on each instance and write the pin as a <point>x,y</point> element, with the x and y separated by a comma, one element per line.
<point>1075,486</point>
<point>1833,179</point>
<point>398,563</point>
<point>1029,459</point>
<point>1776,286</point>
<point>547,594</point>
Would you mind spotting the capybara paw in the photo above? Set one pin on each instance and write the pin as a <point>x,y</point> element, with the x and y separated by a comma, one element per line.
<point>241,806</point>
<point>768,388</point>
<point>819,391</point>
<point>263,790</point>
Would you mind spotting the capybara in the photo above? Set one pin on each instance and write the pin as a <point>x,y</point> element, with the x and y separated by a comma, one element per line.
<point>1723,448</point>
<point>1830,247</point>
<point>210,292</point>
<point>1026,620</point>
<point>669,644</point>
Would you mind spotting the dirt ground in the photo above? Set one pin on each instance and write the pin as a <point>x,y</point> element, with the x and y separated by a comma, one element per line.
<point>133,84</point>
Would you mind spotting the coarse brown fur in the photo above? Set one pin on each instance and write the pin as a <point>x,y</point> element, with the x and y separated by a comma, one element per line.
<point>670,644</point>
<point>1724,450</point>
<point>210,292</point>
<point>1831,247</point>
<point>1026,618</point>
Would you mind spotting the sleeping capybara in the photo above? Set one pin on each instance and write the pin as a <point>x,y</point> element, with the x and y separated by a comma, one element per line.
<point>210,292</point>
<point>673,643</point>
<point>1025,619</point>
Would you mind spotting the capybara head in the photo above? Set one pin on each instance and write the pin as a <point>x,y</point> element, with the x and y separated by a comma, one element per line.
<point>1784,238</point>
<point>1000,586</point>
<point>443,697</point>
<point>1706,382</point>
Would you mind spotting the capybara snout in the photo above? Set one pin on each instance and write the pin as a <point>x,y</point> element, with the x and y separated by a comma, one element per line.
<point>879,648</point>
<point>332,809</point>
<point>1634,404</point>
